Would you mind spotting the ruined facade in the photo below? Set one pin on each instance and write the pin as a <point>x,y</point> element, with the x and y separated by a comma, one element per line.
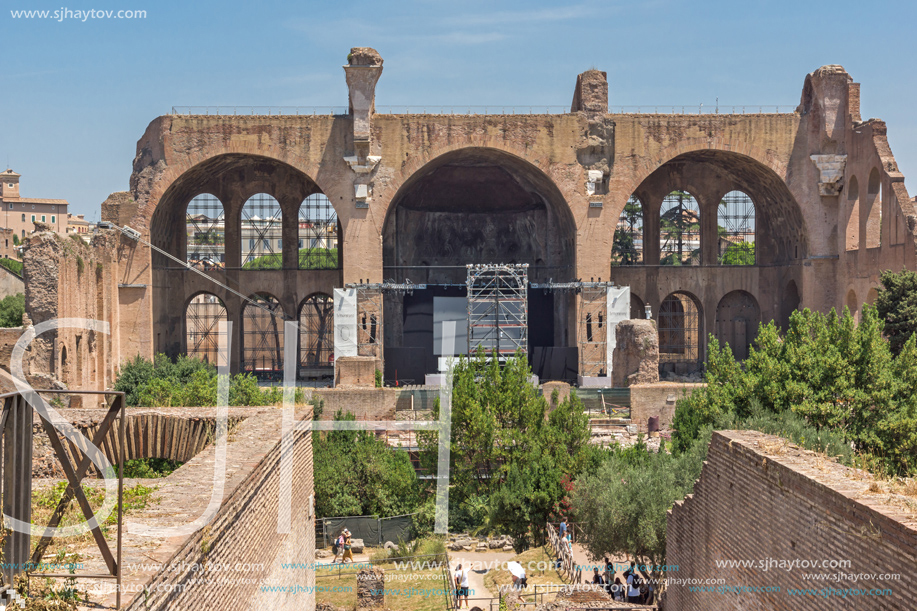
<point>728,219</point>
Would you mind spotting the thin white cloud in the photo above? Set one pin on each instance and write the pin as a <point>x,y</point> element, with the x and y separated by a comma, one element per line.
<point>551,15</point>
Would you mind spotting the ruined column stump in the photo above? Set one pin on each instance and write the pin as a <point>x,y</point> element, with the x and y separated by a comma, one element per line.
<point>371,589</point>
<point>636,354</point>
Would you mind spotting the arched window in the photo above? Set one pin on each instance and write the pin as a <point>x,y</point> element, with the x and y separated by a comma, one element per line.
<point>853,218</point>
<point>679,332</point>
<point>262,233</point>
<point>627,248</point>
<point>679,229</point>
<point>318,234</point>
<point>206,232</point>
<point>262,337</point>
<point>735,220</point>
<point>316,332</point>
<point>203,316</point>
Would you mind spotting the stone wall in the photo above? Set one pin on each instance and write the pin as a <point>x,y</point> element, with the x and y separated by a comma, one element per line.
<point>649,400</point>
<point>10,283</point>
<point>8,338</point>
<point>635,359</point>
<point>244,533</point>
<point>761,498</point>
<point>66,278</point>
<point>363,403</point>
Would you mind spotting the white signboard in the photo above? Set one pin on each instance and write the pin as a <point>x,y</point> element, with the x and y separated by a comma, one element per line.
<point>345,323</point>
<point>618,309</point>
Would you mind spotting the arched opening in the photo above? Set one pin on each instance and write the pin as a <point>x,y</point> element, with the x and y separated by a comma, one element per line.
<point>476,206</point>
<point>780,234</point>
<point>873,227</point>
<point>679,229</point>
<point>627,248</point>
<point>262,337</point>
<point>205,227</point>
<point>737,319</point>
<point>735,220</point>
<point>316,335</point>
<point>680,336</point>
<point>262,233</point>
<point>853,305</point>
<point>789,303</point>
<point>872,295</point>
<point>319,234</point>
<point>202,327</point>
<point>64,368</point>
<point>853,214</point>
<point>637,307</point>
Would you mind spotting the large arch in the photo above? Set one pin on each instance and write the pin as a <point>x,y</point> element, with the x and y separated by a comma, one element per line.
<point>737,319</point>
<point>709,175</point>
<point>469,206</point>
<point>228,182</point>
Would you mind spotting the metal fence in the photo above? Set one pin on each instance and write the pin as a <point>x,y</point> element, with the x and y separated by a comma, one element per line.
<point>16,440</point>
<point>479,109</point>
<point>373,530</point>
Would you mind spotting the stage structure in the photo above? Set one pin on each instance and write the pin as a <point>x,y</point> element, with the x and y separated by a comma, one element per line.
<point>498,309</point>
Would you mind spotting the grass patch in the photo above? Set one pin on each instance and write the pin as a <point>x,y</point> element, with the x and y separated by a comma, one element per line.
<point>45,501</point>
<point>149,467</point>
<point>406,590</point>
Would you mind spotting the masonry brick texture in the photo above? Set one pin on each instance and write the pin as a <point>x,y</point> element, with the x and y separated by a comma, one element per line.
<point>759,497</point>
<point>245,533</point>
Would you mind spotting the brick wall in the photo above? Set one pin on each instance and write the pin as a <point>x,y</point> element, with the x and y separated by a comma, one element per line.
<point>244,531</point>
<point>364,404</point>
<point>658,399</point>
<point>759,497</point>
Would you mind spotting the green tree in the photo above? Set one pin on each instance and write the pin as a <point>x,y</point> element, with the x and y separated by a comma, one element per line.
<point>622,507</point>
<point>11,309</point>
<point>833,373</point>
<point>624,249</point>
<point>358,474</point>
<point>13,265</point>
<point>897,306</point>
<point>507,455</point>
<point>739,253</point>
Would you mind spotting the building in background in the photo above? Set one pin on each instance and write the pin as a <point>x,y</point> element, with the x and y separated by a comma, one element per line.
<point>77,223</point>
<point>21,213</point>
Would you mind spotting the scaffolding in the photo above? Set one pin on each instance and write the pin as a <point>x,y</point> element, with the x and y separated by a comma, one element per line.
<point>498,308</point>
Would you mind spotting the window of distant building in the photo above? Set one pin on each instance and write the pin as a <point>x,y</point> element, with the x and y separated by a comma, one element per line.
<point>11,206</point>
<point>33,218</point>
<point>23,218</point>
<point>53,219</point>
<point>42,218</point>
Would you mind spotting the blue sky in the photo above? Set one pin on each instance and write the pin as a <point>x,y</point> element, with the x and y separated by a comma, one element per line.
<point>78,95</point>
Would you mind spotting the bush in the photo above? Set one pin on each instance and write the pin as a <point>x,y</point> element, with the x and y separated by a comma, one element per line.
<point>835,375</point>
<point>13,265</point>
<point>11,309</point>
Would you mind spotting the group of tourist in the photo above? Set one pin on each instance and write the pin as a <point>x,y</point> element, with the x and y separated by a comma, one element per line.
<point>635,588</point>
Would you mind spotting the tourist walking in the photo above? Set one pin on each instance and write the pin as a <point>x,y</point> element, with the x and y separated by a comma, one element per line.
<point>461,585</point>
<point>348,547</point>
<point>339,548</point>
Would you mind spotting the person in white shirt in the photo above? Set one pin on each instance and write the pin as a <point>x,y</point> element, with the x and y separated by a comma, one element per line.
<point>461,584</point>
<point>633,589</point>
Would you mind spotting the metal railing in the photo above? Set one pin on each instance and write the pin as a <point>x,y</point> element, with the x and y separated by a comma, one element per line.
<point>483,109</point>
<point>567,568</point>
<point>16,439</point>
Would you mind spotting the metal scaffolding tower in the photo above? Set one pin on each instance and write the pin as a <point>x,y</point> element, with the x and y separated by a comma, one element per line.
<point>498,308</point>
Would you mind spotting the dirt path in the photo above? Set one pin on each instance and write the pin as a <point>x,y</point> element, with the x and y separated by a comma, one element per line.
<point>480,563</point>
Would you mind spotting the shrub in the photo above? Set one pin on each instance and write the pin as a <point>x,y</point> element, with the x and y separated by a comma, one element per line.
<point>11,309</point>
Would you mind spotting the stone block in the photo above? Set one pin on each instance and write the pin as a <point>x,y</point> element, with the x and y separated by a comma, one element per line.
<point>356,371</point>
<point>636,355</point>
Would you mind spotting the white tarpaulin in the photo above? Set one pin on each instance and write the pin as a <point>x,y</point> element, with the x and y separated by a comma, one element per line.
<point>515,569</point>
<point>345,323</point>
<point>618,310</point>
